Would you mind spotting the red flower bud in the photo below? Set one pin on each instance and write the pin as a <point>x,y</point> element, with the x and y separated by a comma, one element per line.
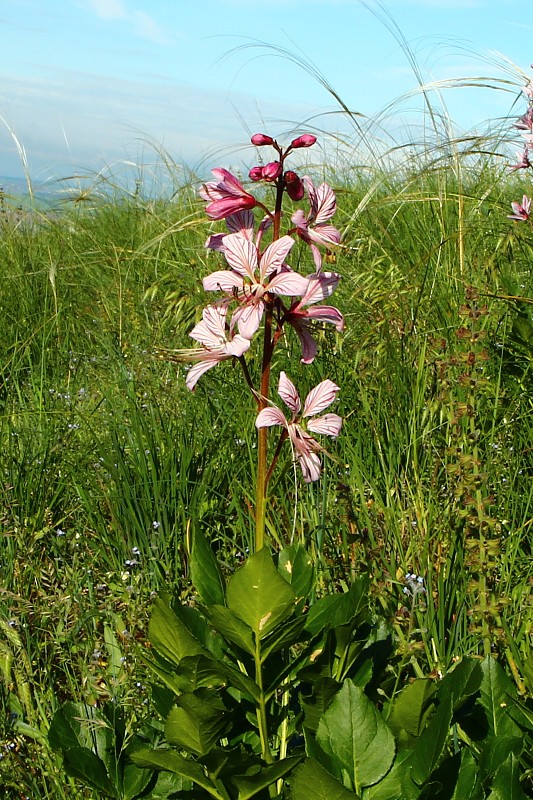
<point>259,139</point>
<point>305,140</point>
<point>256,173</point>
<point>293,185</point>
<point>271,171</point>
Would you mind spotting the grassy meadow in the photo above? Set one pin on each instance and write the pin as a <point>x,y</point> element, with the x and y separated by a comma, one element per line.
<point>108,463</point>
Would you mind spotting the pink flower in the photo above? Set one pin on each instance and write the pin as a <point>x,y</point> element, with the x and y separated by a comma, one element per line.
<point>252,276</point>
<point>523,162</point>
<point>227,196</point>
<point>243,223</point>
<point>219,344</point>
<point>320,285</point>
<point>314,229</point>
<point>305,448</point>
<point>521,211</point>
<point>305,140</point>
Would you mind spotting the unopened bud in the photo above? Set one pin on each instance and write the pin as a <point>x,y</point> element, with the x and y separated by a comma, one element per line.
<point>256,173</point>
<point>293,185</point>
<point>260,139</point>
<point>305,140</point>
<point>271,171</point>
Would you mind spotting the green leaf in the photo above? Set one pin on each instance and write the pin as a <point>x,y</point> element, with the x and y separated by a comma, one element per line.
<point>460,682</point>
<point>296,566</point>
<point>205,572</point>
<point>468,786</point>
<point>259,778</point>
<point>82,763</point>
<point>495,686</point>
<point>355,737</point>
<point>259,595</point>
<point>334,610</point>
<point>283,636</point>
<point>506,785</point>
<point>313,782</point>
<point>428,749</point>
<point>135,781</point>
<point>397,783</point>
<point>169,635</point>
<point>171,761</point>
<point>232,628</point>
<point>194,724</point>
<point>324,690</point>
<point>408,708</point>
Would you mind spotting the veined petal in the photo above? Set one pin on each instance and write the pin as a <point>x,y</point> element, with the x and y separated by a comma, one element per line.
<point>326,203</point>
<point>238,345</point>
<point>320,398</point>
<point>288,393</point>
<point>241,254</point>
<point>289,284</point>
<point>211,331</point>
<point>329,424</point>
<point>324,234</point>
<point>270,416</point>
<point>241,223</point>
<point>308,344</point>
<point>326,314</point>
<point>223,280</point>
<point>310,464</point>
<point>248,318</point>
<point>198,369</point>
<point>274,256</point>
<point>299,220</point>
<point>319,287</point>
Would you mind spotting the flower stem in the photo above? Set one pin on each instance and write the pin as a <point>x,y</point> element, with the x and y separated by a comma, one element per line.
<point>260,504</point>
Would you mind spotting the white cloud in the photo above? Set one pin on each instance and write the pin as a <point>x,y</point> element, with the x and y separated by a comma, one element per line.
<point>142,24</point>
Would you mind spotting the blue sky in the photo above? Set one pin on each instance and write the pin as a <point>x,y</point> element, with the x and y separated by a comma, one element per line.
<point>92,84</point>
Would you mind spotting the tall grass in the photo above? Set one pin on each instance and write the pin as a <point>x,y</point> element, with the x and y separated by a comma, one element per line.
<point>107,464</point>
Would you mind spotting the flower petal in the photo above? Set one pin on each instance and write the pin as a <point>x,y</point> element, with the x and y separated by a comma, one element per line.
<point>223,280</point>
<point>319,287</point>
<point>270,416</point>
<point>329,424</point>
<point>288,393</point>
<point>326,314</point>
<point>275,254</point>
<point>288,284</point>
<point>240,254</point>
<point>320,398</point>
<point>248,318</point>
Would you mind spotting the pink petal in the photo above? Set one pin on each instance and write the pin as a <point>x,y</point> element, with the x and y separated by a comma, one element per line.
<point>270,416</point>
<point>211,331</point>
<point>248,318</point>
<point>288,393</point>
<point>222,281</point>
<point>326,203</point>
<point>324,234</point>
<point>308,344</point>
<point>240,254</point>
<point>329,424</point>
<point>320,398</point>
<point>320,286</point>
<point>326,314</point>
<point>310,464</point>
<point>197,370</point>
<point>275,254</point>
<point>242,223</point>
<point>288,284</point>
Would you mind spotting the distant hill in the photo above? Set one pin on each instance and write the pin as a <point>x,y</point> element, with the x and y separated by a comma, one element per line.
<point>14,192</point>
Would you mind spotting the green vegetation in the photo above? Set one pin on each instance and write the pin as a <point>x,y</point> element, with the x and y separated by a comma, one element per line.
<point>109,467</point>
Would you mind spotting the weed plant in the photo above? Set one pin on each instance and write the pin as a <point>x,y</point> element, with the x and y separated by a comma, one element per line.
<point>108,465</point>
